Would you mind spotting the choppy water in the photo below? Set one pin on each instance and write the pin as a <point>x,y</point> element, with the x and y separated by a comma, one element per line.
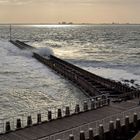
<point>25,84</point>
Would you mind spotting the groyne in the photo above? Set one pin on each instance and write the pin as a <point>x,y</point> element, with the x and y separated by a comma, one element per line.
<point>21,44</point>
<point>91,84</point>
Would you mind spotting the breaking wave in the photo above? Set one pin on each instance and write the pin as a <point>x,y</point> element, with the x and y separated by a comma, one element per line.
<point>45,51</point>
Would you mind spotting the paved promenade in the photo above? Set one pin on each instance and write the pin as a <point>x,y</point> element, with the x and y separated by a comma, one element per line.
<point>51,128</point>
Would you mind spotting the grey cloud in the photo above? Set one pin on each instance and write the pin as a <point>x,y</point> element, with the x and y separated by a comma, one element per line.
<point>15,2</point>
<point>22,2</point>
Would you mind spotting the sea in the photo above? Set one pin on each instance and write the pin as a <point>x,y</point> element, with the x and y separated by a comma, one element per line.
<point>111,51</point>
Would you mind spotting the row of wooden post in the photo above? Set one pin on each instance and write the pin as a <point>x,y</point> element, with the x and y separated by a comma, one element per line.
<point>114,133</point>
<point>93,105</point>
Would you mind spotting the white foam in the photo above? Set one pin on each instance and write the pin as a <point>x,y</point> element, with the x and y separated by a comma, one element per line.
<point>45,51</point>
<point>26,53</point>
<point>10,50</point>
<point>116,74</point>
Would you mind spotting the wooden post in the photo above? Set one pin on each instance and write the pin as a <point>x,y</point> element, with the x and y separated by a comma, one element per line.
<point>39,118</point>
<point>104,100</point>
<point>118,128</point>
<point>59,114</point>
<point>29,121</point>
<point>49,115</point>
<point>96,104</point>
<point>111,130</point>
<point>71,137</point>
<point>91,135</point>
<point>135,120</point>
<point>67,112</point>
<point>127,126</point>
<point>108,101</point>
<point>101,132</point>
<point>100,102</point>
<point>7,127</point>
<point>77,109</point>
<point>92,104</point>
<point>85,106</point>
<point>18,126</point>
<point>82,135</point>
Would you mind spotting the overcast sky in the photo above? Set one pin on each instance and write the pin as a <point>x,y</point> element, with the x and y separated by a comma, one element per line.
<point>77,11</point>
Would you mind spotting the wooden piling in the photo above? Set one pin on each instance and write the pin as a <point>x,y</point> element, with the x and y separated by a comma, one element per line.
<point>111,130</point>
<point>101,132</point>
<point>18,125</point>
<point>59,113</point>
<point>71,137</point>
<point>29,121</point>
<point>91,135</point>
<point>118,128</point>
<point>82,135</point>
<point>85,108</point>
<point>38,118</point>
<point>108,101</point>
<point>67,112</point>
<point>7,127</point>
<point>127,127</point>
<point>77,109</point>
<point>92,104</point>
<point>49,115</point>
<point>99,102</point>
<point>135,120</point>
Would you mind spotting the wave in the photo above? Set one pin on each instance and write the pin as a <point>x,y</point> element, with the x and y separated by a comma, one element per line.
<point>79,61</point>
<point>25,53</point>
<point>116,74</point>
<point>8,72</point>
<point>45,51</point>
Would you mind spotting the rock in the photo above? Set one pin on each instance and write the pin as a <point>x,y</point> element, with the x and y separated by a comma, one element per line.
<point>132,81</point>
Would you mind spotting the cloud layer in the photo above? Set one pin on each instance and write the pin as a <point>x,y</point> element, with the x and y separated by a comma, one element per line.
<point>89,11</point>
<point>20,2</point>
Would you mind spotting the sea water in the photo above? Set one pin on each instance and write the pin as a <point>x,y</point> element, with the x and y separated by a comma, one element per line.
<point>111,51</point>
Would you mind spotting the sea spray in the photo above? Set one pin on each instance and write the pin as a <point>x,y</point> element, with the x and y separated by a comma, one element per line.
<point>25,53</point>
<point>10,50</point>
<point>121,75</point>
<point>45,51</point>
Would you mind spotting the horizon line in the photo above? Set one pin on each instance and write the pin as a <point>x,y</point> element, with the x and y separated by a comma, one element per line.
<point>70,23</point>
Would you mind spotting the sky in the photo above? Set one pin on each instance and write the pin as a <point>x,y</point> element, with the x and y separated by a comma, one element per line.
<point>76,11</point>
